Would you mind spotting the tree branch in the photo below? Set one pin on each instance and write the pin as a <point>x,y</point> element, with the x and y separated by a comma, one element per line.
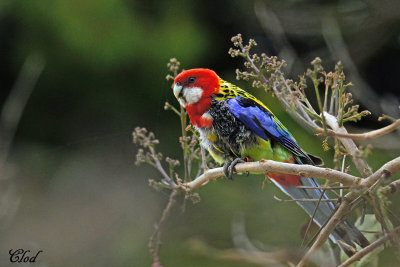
<point>305,200</point>
<point>350,146</point>
<point>264,166</point>
<point>368,249</point>
<point>387,170</point>
<point>363,136</point>
<point>154,246</point>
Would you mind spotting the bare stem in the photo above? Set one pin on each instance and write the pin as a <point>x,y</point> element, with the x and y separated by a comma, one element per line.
<point>159,167</point>
<point>155,245</point>
<point>183,118</point>
<point>306,200</point>
<point>323,187</point>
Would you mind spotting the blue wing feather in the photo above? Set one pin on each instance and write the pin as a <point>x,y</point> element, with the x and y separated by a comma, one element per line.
<point>264,124</point>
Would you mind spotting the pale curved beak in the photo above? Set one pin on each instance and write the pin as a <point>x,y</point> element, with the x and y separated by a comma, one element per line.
<point>177,90</point>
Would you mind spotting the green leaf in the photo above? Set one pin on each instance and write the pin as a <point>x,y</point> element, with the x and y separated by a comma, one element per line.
<point>370,224</point>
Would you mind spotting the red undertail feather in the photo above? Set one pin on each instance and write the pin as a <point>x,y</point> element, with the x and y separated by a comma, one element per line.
<point>286,179</point>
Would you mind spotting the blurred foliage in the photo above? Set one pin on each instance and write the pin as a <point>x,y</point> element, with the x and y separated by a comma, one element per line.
<point>106,34</point>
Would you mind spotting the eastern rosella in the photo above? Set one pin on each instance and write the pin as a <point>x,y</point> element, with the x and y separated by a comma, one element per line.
<point>235,126</point>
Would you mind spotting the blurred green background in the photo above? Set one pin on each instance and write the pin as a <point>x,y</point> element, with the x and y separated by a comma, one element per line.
<point>69,183</point>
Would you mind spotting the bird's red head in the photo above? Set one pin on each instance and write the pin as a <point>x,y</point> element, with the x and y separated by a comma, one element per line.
<point>194,90</point>
<point>191,86</point>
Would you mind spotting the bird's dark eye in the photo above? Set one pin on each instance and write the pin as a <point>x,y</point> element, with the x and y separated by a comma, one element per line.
<point>191,79</point>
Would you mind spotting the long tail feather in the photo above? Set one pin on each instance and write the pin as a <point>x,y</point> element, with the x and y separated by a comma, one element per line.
<point>345,232</point>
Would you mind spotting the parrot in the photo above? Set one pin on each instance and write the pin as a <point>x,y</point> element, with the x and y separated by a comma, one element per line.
<point>234,127</point>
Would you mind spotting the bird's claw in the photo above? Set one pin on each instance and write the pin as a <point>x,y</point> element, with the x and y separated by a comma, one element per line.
<point>229,167</point>
<point>226,169</point>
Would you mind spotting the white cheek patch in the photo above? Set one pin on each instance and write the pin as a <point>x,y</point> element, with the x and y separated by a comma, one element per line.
<point>192,95</point>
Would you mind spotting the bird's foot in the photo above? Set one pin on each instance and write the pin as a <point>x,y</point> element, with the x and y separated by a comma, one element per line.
<point>226,168</point>
<point>229,167</point>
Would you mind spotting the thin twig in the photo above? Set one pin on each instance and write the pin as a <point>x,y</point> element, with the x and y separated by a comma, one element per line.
<point>377,209</point>
<point>323,187</point>
<point>159,167</point>
<point>155,251</point>
<point>312,217</point>
<point>343,162</point>
<point>305,200</point>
